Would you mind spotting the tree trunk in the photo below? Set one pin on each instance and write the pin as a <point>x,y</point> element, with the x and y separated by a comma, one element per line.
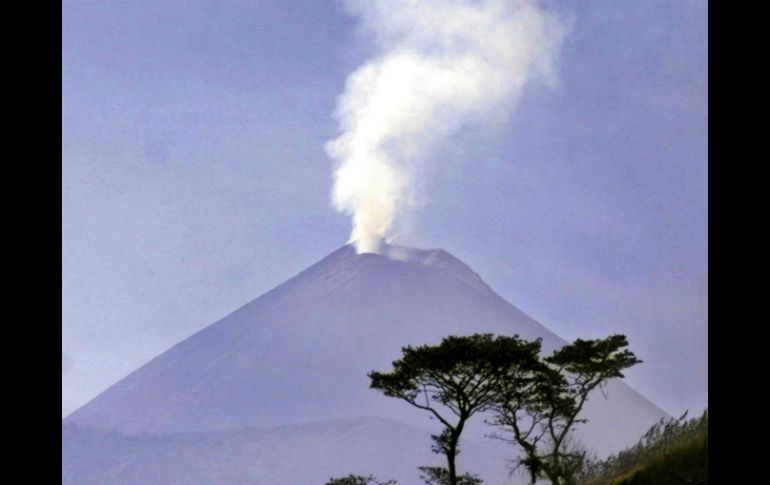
<point>450,458</point>
<point>454,437</point>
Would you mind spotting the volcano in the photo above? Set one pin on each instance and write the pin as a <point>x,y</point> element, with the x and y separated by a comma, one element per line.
<point>300,354</point>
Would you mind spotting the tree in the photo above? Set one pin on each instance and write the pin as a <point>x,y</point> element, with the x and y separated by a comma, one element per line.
<point>436,475</point>
<point>358,480</point>
<point>460,377</point>
<point>541,413</point>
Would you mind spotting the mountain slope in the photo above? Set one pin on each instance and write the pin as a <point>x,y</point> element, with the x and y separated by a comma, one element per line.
<point>298,454</point>
<point>301,352</point>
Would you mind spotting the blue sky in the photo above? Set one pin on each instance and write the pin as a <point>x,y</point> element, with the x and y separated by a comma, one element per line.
<point>195,178</point>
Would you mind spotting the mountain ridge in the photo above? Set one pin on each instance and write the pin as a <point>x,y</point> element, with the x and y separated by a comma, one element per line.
<point>300,352</point>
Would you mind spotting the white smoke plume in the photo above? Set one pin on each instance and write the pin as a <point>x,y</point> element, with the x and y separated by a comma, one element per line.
<point>442,64</point>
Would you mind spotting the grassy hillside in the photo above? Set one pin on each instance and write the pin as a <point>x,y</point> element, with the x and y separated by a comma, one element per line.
<point>672,452</point>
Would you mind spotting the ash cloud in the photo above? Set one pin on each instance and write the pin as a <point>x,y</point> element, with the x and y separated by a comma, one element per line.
<point>440,65</point>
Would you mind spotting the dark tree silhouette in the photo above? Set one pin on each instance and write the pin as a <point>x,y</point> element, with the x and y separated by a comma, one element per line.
<point>459,377</point>
<point>540,413</point>
<point>358,480</point>
<point>435,475</point>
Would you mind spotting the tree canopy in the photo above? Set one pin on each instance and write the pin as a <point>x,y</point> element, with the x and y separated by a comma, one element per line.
<point>358,480</point>
<point>541,413</point>
<point>456,379</point>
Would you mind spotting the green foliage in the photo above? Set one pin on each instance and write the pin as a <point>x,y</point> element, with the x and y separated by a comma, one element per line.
<point>595,360</point>
<point>461,373</point>
<point>358,480</point>
<point>461,376</point>
<point>540,412</point>
<point>672,452</point>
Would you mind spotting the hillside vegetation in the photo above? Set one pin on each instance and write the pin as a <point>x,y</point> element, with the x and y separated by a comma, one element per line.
<point>672,452</point>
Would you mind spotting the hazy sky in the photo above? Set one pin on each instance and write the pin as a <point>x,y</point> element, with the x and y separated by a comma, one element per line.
<point>195,178</point>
